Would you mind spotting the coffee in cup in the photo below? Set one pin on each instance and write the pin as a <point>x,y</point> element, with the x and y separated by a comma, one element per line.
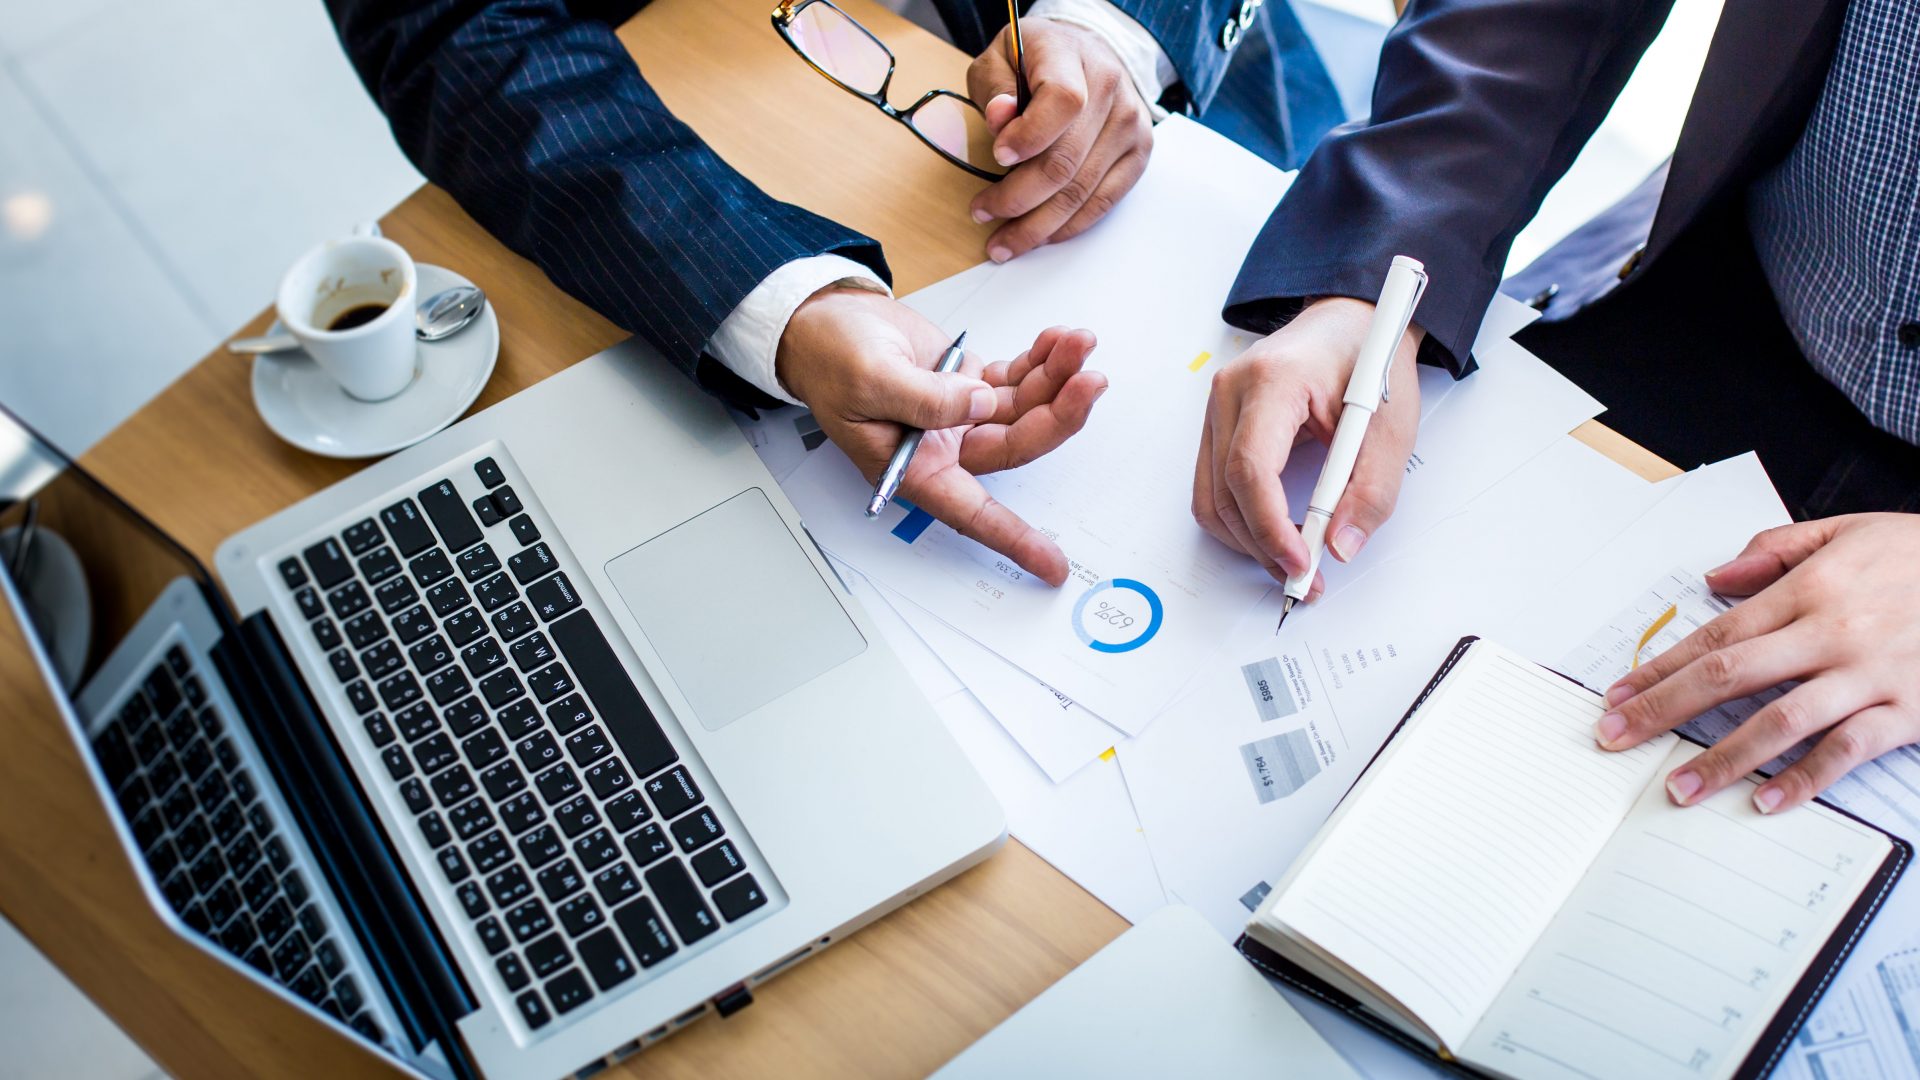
<point>350,302</point>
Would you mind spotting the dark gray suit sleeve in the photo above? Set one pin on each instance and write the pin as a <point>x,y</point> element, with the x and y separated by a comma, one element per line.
<point>539,124</point>
<point>1479,108</point>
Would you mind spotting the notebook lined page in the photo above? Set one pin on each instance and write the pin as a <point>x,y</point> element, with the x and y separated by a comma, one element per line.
<point>1690,930</point>
<point>1459,847</point>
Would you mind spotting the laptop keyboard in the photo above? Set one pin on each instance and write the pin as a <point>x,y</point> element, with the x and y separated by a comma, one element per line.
<point>577,843</point>
<point>224,863</point>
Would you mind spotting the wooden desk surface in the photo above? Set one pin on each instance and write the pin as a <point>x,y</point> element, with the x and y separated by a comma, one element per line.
<point>895,1000</point>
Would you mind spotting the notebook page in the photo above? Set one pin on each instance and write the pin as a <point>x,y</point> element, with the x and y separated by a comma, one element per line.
<point>1456,850</point>
<point>1678,948</point>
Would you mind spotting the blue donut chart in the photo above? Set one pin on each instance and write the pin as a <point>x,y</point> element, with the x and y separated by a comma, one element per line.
<point>1157,614</point>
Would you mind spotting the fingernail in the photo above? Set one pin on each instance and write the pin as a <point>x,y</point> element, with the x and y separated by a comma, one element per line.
<point>1005,155</point>
<point>999,254</point>
<point>1619,693</point>
<point>1767,799</point>
<point>981,403</point>
<point>1348,542</point>
<point>1683,785</point>
<point>981,217</point>
<point>1610,727</point>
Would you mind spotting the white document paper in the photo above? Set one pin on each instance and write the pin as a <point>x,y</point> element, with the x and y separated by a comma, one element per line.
<point>1058,735</point>
<point>1238,776</point>
<point>1151,594</point>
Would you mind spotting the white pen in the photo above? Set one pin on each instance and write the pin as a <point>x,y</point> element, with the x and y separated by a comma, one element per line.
<point>1406,280</point>
<point>896,470</point>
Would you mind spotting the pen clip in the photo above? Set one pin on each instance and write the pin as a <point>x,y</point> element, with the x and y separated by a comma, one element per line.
<point>1419,290</point>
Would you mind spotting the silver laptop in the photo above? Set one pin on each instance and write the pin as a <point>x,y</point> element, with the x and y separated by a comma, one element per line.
<point>512,753</point>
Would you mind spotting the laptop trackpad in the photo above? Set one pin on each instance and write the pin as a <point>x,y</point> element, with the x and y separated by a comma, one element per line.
<point>735,608</point>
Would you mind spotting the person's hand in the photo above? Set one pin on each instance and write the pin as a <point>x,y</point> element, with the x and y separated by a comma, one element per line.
<point>1079,146</point>
<point>1285,389</point>
<point>1836,603</point>
<point>862,362</point>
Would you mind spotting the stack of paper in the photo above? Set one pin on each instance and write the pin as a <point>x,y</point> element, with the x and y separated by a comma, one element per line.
<point>1147,731</point>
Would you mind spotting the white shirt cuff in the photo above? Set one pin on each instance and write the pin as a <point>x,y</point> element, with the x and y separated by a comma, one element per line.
<point>748,341</point>
<point>1146,62</point>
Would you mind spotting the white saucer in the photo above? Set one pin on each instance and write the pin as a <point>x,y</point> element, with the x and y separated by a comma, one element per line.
<point>304,406</point>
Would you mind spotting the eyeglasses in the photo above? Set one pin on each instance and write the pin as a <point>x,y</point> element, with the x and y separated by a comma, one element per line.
<point>848,54</point>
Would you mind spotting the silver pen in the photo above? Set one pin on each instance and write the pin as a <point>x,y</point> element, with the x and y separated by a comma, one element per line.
<point>896,470</point>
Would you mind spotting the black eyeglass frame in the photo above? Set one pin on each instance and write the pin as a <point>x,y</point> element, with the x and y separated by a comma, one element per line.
<point>783,17</point>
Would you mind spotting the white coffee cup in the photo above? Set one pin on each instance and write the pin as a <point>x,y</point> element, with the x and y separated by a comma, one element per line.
<point>372,359</point>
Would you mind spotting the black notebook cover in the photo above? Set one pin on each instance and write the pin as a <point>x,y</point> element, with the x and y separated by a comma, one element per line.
<point>1774,1038</point>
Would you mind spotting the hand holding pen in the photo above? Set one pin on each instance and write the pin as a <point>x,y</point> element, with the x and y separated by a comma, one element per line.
<point>862,362</point>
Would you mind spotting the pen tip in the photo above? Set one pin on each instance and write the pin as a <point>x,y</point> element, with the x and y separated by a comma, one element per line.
<point>875,505</point>
<point>961,340</point>
<point>1286,609</point>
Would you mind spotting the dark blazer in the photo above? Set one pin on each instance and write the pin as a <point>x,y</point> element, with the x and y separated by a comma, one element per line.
<point>536,119</point>
<point>1480,106</point>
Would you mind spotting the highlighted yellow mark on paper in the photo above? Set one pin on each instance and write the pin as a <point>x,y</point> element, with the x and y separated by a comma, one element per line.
<point>1200,361</point>
<point>1658,625</point>
<point>1107,754</point>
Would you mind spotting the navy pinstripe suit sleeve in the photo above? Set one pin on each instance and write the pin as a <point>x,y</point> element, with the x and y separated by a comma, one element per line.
<point>1479,107</point>
<point>540,125</point>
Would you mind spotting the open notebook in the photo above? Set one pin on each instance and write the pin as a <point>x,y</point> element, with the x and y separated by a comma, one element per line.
<point>1502,892</point>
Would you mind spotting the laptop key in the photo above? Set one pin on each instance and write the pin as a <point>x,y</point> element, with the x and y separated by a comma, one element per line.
<point>503,780</point>
<point>495,592</point>
<point>478,562</point>
<point>488,514</point>
<point>198,759</point>
<point>605,960</point>
<point>164,771</point>
<point>557,783</point>
<point>739,898</point>
<point>454,785</point>
<point>258,888</point>
<point>433,829</point>
<point>239,935</point>
<point>349,600</point>
<point>211,789</point>
<point>361,536</point>
<point>553,597</point>
<point>328,562</point>
<point>524,530</point>
<point>507,501</point>
<point>379,732</point>
<point>434,753</point>
<point>611,689</point>
<point>588,746</point>
<point>361,698</point>
<point>448,597</point>
<point>470,818</point>
<point>431,568</point>
<point>538,750</point>
<point>488,470</point>
<point>448,685</point>
<point>501,687</point>
<point>529,921</point>
<point>413,624</point>
<point>274,922</point>
<point>616,884</point>
<point>484,748</point>
<point>312,923</point>
<point>364,629</point>
<point>430,655</point>
<point>627,811</point>
<point>227,823</point>
<point>596,850</point>
<point>292,574</point>
<point>209,870</point>
<point>347,993</point>
<point>698,829</point>
<point>520,813</point>
<point>379,565</point>
<point>532,652</point>
<point>492,937</point>
<point>532,564</point>
<point>673,793</point>
<point>512,972</point>
<point>449,515</point>
<point>406,526</point>
<point>549,683</point>
<point>295,887</point>
<point>580,915</point>
<point>514,620</point>
<point>576,816</point>
<point>258,959</point>
<point>646,933</point>
<point>190,841</point>
<point>382,660</point>
<point>541,846</point>
<point>327,955</point>
<point>533,1010</point>
<point>416,721</point>
<point>292,954</point>
<point>560,880</point>
<point>649,844</point>
<point>490,852</point>
<point>400,690</point>
<point>326,634</point>
<point>510,886</point>
<point>483,658</point>
<point>452,865</point>
<point>178,807</point>
<point>519,719</point>
<point>341,661</point>
<point>178,890</point>
<point>718,863</point>
<point>568,991</point>
<point>396,594</point>
<point>472,900</point>
<point>548,955</point>
<point>464,627</point>
<point>227,756</point>
<point>680,897</point>
<point>609,778</point>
